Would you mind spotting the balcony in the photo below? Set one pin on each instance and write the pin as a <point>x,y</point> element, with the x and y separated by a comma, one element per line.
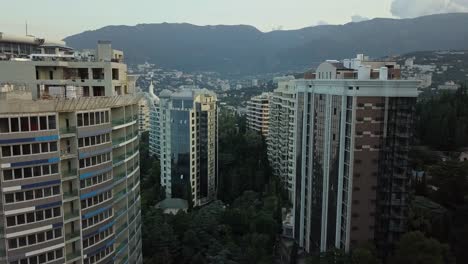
<point>118,122</point>
<point>70,195</point>
<point>72,235</point>
<point>118,196</point>
<point>67,131</point>
<point>117,141</point>
<point>118,159</point>
<point>71,215</point>
<point>121,229</point>
<point>70,174</point>
<point>67,154</point>
<point>73,256</point>
<point>120,176</point>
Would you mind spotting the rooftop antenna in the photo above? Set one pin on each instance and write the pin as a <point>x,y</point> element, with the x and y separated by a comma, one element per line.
<point>26,28</point>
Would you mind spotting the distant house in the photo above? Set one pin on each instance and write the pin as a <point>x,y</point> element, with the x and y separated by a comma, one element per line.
<point>463,156</point>
<point>173,205</point>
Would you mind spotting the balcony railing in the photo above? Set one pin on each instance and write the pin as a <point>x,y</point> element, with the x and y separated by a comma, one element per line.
<point>67,130</point>
<point>118,158</point>
<point>71,214</point>
<point>69,173</point>
<point>117,122</point>
<point>73,255</point>
<point>72,235</point>
<point>70,194</point>
<point>120,176</point>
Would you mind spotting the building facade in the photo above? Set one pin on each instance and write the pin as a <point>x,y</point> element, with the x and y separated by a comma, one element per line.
<point>186,140</point>
<point>282,133</point>
<point>258,113</point>
<point>69,160</point>
<point>146,106</point>
<point>352,127</point>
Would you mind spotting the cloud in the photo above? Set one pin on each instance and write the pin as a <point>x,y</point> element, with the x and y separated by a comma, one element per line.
<point>415,8</point>
<point>358,18</point>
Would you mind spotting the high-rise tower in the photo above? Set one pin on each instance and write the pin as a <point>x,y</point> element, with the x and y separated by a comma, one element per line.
<point>69,159</point>
<point>187,144</point>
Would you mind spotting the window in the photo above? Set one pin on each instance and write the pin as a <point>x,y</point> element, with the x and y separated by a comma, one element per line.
<point>24,123</point>
<point>4,126</point>
<point>34,123</point>
<point>14,124</point>
<point>26,149</point>
<point>43,122</point>
<point>6,151</point>
<point>86,119</point>
<point>80,120</point>
<point>52,123</point>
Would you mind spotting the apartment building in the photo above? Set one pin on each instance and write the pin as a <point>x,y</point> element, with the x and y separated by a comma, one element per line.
<point>146,105</point>
<point>258,113</point>
<point>69,159</point>
<point>352,130</point>
<point>187,145</point>
<point>281,136</point>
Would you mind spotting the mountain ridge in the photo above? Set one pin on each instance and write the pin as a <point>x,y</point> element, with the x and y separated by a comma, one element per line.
<point>243,49</point>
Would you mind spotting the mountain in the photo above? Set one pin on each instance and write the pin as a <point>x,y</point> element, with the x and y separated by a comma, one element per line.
<point>246,50</point>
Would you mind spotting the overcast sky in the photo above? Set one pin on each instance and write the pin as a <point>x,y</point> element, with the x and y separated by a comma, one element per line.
<point>60,18</point>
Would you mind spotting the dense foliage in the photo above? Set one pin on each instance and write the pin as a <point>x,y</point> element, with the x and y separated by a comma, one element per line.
<point>442,121</point>
<point>241,227</point>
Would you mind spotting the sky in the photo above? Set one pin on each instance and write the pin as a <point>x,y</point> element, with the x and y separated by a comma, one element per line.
<point>56,19</point>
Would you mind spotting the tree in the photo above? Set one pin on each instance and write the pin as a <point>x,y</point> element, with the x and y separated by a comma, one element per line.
<point>451,179</point>
<point>415,248</point>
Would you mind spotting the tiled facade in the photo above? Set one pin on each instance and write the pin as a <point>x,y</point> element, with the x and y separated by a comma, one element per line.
<point>69,168</point>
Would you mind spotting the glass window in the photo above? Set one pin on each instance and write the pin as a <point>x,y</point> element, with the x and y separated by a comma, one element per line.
<point>34,123</point>
<point>16,150</point>
<point>35,148</point>
<point>52,122</point>
<point>9,198</point>
<point>46,169</point>
<point>14,124</point>
<point>39,215</point>
<point>86,119</point>
<point>20,220</point>
<point>26,149</point>
<point>43,122</point>
<point>80,142</point>
<point>37,171</point>
<point>11,221</point>
<point>47,192</point>
<point>12,243</point>
<point>32,239</point>
<point>80,119</point>
<point>44,147</point>
<point>6,151</point>
<point>53,146</point>
<point>7,175</point>
<point>4,126</point>
<point>27,172</point>
<point>24,123</point>
<point>29,195</point>
<point>91,119</point>
<point>22,241</point>
<point>54,168</point>
<point>19,196</point>
<point>30,217</point>
<point>38,194</point>
<point>40,236</point>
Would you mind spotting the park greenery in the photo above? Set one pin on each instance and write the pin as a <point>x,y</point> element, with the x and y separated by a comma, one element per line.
<point>241,227</point>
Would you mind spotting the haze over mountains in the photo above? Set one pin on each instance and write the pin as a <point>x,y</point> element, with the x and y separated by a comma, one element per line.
<point>246,50</point>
